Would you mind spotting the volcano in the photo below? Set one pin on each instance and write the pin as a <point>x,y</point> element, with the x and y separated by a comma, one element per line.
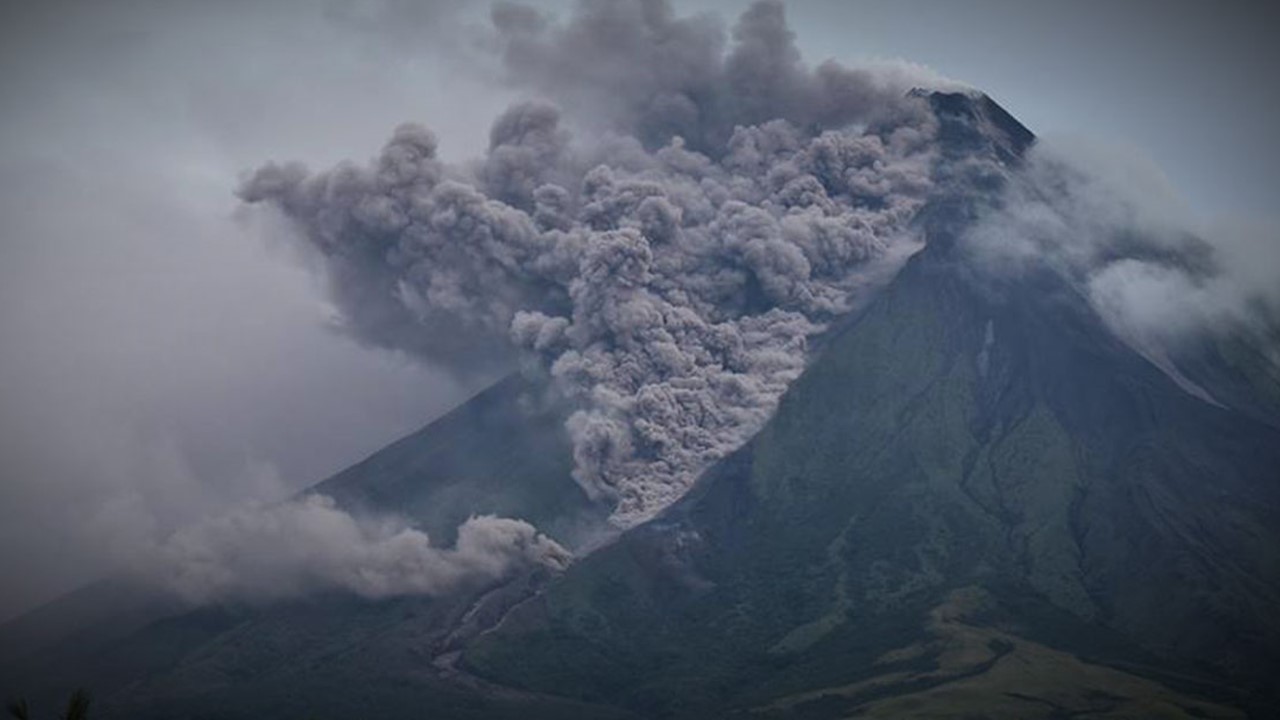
<point>976,501</point>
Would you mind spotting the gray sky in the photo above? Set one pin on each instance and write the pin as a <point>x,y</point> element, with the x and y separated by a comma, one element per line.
<point>163,358</point>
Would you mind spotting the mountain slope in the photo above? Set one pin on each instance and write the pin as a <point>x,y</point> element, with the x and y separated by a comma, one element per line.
<point>947,442</point>
<point>504,452</point>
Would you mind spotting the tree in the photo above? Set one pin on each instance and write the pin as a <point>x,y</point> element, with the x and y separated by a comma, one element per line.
<point>18,708</point>
<point>77,707</point>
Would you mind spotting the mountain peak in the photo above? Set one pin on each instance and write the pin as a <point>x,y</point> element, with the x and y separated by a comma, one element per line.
<point>970,121</point>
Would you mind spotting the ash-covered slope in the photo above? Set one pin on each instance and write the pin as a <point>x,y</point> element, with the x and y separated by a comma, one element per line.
<point>970,503</point>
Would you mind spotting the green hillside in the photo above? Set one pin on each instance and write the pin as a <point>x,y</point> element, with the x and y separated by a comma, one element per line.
<point>945,445</point>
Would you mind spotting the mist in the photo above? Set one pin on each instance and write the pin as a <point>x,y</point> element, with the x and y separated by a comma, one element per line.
<point>1105,217</point>
<point>163,359</point>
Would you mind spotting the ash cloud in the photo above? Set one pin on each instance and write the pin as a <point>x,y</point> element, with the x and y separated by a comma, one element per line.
<point>263,553</point>
<point>666,267</point>
<point>636,67</point>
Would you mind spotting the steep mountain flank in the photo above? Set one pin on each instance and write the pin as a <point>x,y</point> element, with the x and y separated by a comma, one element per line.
<point>949,441</point>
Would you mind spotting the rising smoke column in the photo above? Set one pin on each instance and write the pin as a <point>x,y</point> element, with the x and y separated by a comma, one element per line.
<point>667,269</point>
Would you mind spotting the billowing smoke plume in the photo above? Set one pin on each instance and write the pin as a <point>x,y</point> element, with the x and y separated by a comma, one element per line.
<point>667,272</point>
<point>640,70</point>
<point>271,552</point>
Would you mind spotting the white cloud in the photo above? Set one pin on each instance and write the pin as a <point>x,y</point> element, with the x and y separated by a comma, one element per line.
<point>270,552</point>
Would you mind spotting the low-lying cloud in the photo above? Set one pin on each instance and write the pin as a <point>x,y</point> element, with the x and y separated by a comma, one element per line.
<point>1107,219</point>
<point>272,552</point>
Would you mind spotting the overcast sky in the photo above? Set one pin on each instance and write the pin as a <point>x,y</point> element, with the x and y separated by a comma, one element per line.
<point>163,357</point>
